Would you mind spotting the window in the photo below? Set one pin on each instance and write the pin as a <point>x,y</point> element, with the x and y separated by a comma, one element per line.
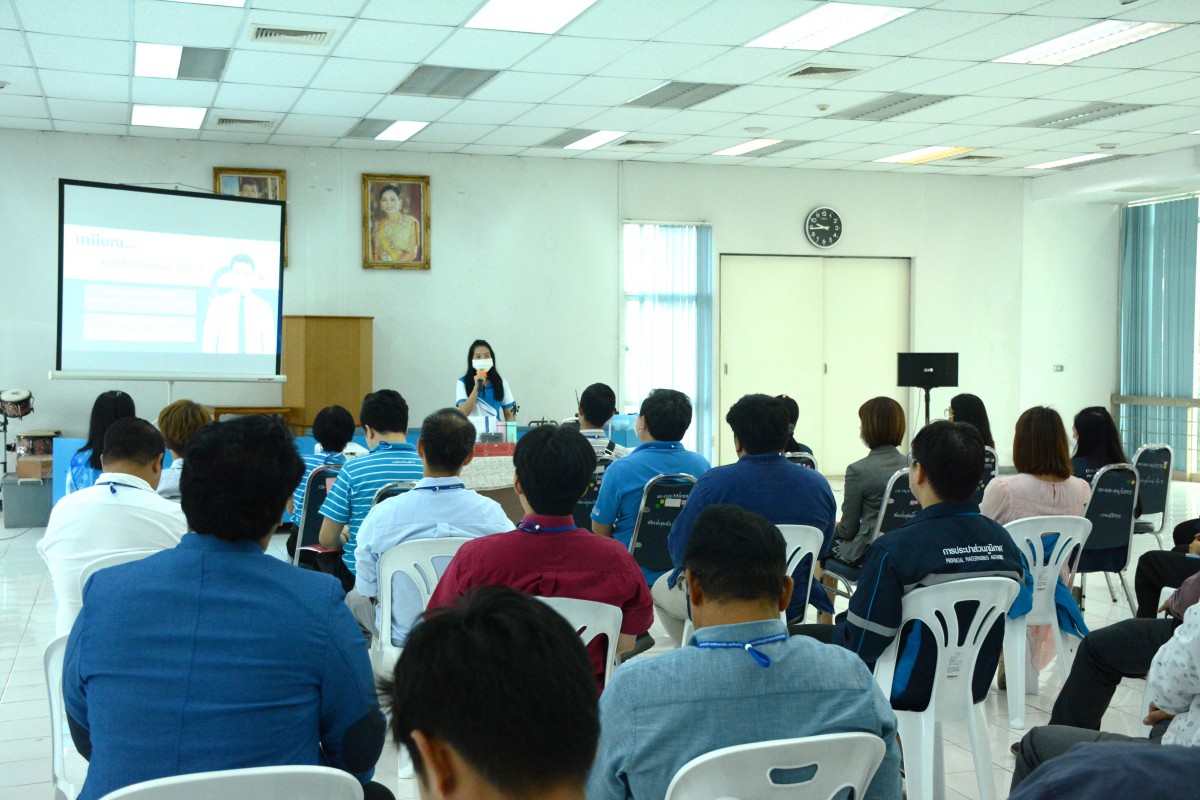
<point>667,331</point>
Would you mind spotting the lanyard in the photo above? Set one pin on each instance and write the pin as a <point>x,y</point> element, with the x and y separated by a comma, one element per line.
<point>449,487</point>
<point>112,485</point>
<point>761,658</point>
<point>533,527</point>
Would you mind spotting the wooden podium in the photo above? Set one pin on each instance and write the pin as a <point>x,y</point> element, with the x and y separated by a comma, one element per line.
<point>327,361</point>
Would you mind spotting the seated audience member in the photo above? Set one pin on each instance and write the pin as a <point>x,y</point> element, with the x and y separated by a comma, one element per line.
<point>762,481</point>
<point>178,423</point>
<point>597,405</point>
<point>1097,444</point>
<point>1174,693</point>
<point>969,408</point>
<point>439,506</point>
<point>741,679</point>
<point>793,412</point>
<point>662,421</point>
<point>119,513</point>
<point>85,464</point>
<point>333,428</point>
<point>214,655</point>
<point>1087,772</point>
<point>495,699</point>
<point>384,417</point>
<point>881,426</point>
<point>1166,569</point>
<point>548,555</point>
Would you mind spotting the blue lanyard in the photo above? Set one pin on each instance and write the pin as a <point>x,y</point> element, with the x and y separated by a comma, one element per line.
<point>760,657</point>
<point>112,485</point>
<point>533,527</point>
<point>449,487</point>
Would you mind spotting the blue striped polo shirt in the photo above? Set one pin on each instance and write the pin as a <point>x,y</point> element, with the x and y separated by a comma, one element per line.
<point>311,462</point>
<point>350,498</point>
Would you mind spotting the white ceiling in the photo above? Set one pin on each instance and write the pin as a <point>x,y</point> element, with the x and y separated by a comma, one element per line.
<point>69,66</point>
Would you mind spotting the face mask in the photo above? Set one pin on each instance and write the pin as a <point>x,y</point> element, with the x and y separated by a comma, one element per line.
<point>484,364</point>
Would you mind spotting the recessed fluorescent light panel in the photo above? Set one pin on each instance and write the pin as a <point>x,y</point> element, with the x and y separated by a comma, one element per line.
<point>1092,112</point>
<point>747,147</point>
<point>400,131</point>
<point>168,116</point>
<point>829,25</point>
<point>592,141</point>
<point>529,16</point>
<point>1067,162</point>
<point>925,155</point>
<point>230,3</point>
<point>1090,41</point>
<point>157,60</point>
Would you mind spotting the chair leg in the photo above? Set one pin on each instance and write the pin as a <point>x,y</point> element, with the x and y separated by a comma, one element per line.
<point>916,743</point>
<point>981,751</point>
<point>1014,665</point>
<point>1128,594</point>
<point>1060,645</point>
<point>939,762</point>
<point>1111,591</point>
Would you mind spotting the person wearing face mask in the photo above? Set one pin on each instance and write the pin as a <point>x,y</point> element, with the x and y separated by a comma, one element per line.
<point>481,392</point>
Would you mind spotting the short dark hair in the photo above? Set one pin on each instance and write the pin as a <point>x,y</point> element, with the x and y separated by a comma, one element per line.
<point>333,428</point>
<point>1040,444</point>
<point>882,421</point>
<point>132,439</point>
<point>237,477</point>
<point>598,403</point>
<point>385,411</point>
<point>668,414</point>
<point>951,454</point>
<point>736,554</point>
<point>505,681</point>
<point>554,464</point>
<point>447,439</point>
<point>760,423</point>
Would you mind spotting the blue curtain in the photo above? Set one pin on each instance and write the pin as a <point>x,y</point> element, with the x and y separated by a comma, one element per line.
<point>1158,318</point>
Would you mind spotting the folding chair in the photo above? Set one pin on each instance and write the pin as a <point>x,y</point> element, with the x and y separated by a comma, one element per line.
<point>308,538</point>
<point>1114,498</point>
<point>1153,463</point>
<point>393,489</point>
<point>583,509</point>
<point>899,506</point>
<point>662,501</point>
<point>991,466</point>
<point>590,620</point>
<point>806,460</point>
<point>255,783</point>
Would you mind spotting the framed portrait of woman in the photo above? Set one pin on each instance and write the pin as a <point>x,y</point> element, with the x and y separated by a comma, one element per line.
<point>262,184</point>
<point>395,221</point>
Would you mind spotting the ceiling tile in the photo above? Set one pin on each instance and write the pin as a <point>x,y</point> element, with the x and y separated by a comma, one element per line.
<point>743,65</point>
<point>167,92</point>
<point>551,152</point>
<point>1180,91</point>
<point>12,49</point>
<point>674,158</point>
<point>721,161</point>
<point>825,58</point>
<point>303,141</point>
<point>272,69</point>
<point>1163,11</point>
<point>1046,80</point>
<point>89,111</point>
<point>481,49</point>
<point>628,119</point>
<point>490,150</point>
<point>426,12</point>
<point>1179,43</point>
<point>70,52</point>
<point>390,41</point>
<point>1066,138</point>
<point>148,132</point>
<point>611,19</point>
<point>524,87</point>
<point>987,110</point>
<point>313,125</point>
<point>806,105</point>
<point>1131,82</point>
<point>1073,8</point>
<point>342,104</point>
<point>429,147</point>
<point>918,31</point>
<point>663,60</point>
<point>85,86</point>
<point>884,132</point>
<point>1188,63</point>
<point>813,129</point>
<point>416,109</point>
<point>575,55</point>
<point>17,105</point>
<point>979,78</point>
<point>519,136</point>
<point>366,144</point>
<point>702,145</point>
<point>455,133</point>
<point>102,19</point>
<point>1140,119</point>
<point>104,128</point>
<point>486,112</point>
<point>691,122</point>
<point>738,127</point>
<point>356,75</point>
<point>1162,145</point>
<point>604,91</point>
<point>948,135</point>
<point>24,80</point>
<point>256,98</point>
<point>751,99</point>
<point>186,23</point>
<point>547,116</point>
<point>1006,36</point>
<point>900,75</point>
<point>23,123</point>
<point>8,17</point>
<point>337,8</point>
<point>727,21</point>
<point>1179,125</point>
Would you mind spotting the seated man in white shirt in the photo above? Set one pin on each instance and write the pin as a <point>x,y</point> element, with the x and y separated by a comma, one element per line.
<point>439,506</point>
<point>597,405</point>
<point>121,512</point>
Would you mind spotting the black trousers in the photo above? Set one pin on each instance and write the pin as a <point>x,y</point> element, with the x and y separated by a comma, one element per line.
<point>1185,532</point>
<point>1157,570</point>
<point>332,564</point>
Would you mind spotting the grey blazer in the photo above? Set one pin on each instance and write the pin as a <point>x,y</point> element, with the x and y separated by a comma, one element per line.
<point>866,480</point>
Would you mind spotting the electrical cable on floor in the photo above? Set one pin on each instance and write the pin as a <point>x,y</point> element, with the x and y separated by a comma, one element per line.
<point>15,536</point>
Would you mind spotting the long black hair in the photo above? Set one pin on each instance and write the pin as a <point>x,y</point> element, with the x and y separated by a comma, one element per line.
<point>1098,437</point>
<point>493,374</point>
<point>969,408</point>
<point>109,407</point>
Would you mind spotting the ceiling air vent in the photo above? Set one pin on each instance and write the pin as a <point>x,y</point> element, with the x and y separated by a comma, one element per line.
<point>786,144</point>
<point>1092,112</point>
<point>968,160</point>
<point>815,72</point>
<point>893,105</point>
<point>202,63</point>
<point>679,94</point>
<point>427,81</point>
<point>368,128</point>
<point>642,144</point>
<point>1159,190</point>
<point>244,124</point>
<point>299,36</point>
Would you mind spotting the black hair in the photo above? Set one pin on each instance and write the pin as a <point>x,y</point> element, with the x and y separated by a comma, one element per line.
<point>793,413</point>
<point>598,403</point>
<point>447,439</point>
<point>668,414</point>
<point>760,423</point>
<point>506,682</point>
<point>109,407</point>
<point>133,439</point>
<point>951,453</point>
<point>736,555</point>
<point>333,428</point>
<point>237,477</point>
<point>969,408</point>
<point>493,375</point>
<point>385,411</point>
<point>1098,437</point>
<point>554,464</point>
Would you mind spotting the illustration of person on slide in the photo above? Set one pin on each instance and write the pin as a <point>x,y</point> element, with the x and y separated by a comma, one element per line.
<point>237,320</point>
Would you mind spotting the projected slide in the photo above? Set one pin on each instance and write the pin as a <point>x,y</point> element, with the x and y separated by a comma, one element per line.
<point>168,283</point>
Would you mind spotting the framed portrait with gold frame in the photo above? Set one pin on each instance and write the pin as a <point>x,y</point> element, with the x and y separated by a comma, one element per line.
<point>395,221</point>
<point>262,184</point>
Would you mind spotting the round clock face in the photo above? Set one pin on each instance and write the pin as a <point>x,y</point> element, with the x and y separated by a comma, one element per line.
<point>823,227</point>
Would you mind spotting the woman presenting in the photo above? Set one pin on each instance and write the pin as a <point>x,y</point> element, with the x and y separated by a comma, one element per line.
<point>481,392</point>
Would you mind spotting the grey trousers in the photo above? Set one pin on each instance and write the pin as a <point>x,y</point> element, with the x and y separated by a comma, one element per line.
<point>1048,741</point>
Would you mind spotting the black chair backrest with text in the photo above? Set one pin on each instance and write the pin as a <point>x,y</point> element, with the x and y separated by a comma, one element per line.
<point>991,465</point>
<point>583,509</point>
<point>1114,496</point>
<point>393,489</point>
<point>662,500</point>
<point>806,460</point>
<point>320,480</point>
<point>1153,462</point>
<point>899,504</point>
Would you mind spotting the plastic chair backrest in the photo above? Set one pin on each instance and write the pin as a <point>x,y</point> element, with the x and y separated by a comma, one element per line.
<point>802,541</point>
<point>936,608</point>
<point>583,509</point>
<point>1114,497</point>
<point>423,561</point>
<point>806,460</point>
<point>255,783</point>
<point>591,619</point>
<point>991,466</point>
<point>110,560</point>
<point>1045,567</point>
<point>52,664</point>
<point>393,489</point>
<point>1153,462</point>
<point>763,769</point>
<point>662,501</point>
<point>899,505</point>
<point>320,480</point>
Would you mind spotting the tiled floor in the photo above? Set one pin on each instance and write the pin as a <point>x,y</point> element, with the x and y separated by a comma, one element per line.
<point>27,625</point>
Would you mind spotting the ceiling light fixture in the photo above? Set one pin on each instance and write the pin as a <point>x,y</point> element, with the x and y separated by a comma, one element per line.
<point>400,131</point>
<point>157,60</point>
<point>747,147</point>
<point>548,16</point>
<point>230,3</point>
<point>168,116</point>
<point>1067,162</point>
<point>1088,42</point>
<point>594,140</point>
<point>828,25</point>
<point>925,155</point>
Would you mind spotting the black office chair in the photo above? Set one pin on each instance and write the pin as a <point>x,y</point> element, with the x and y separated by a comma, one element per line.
<point>583,509</point>
<point>899,506</point>
<point>662,500</point>
<point>308,538</point>
<point>393,489</point>
<point>806,460</point>
<point>991,466</point>
<point>1114,497</point>
<point>1153,463</point>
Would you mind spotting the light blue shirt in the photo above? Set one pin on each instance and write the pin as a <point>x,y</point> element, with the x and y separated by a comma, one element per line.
<point>657,714</point>
<point>621,491</point>
<point>435,508</point>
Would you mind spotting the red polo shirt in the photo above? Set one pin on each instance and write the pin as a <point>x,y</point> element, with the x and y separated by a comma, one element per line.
<point>545,562</point>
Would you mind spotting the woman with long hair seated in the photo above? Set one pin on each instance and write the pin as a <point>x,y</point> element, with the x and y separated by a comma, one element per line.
<point>969,408</point>
<point>85,464</point>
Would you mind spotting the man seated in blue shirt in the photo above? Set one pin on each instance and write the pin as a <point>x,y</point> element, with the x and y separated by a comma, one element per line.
<point>761,480</point>
<point>741,679</point>
<point>181,663</point>
<point>662,421</point>
<point>333,428</point>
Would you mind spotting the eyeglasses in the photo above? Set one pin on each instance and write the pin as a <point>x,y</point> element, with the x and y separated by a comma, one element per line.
<point>912,461</point>
<point>949,413</point>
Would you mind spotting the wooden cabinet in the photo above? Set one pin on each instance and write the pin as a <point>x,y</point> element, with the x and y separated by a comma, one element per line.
<point>327,361</point>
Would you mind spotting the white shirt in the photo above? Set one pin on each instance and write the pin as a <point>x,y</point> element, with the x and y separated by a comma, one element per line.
<point>120,513</point>
<point>168,482</point>
<point>599,440</point>
<point>220,332</point>
<point>1174,681</point>
<point>435,508</point>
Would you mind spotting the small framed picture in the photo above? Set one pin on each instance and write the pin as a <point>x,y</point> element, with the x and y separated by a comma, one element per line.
<point>395,221</point>
<point>263,184</point>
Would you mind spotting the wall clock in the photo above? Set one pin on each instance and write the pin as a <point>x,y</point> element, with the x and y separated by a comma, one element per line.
<point>823,227</point>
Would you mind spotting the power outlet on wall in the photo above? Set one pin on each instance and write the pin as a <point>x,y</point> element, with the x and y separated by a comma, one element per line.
<point>1058,367</point>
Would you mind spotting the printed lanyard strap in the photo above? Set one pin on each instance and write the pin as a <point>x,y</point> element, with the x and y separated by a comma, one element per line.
<point>440,488</point>
<point>112,485</point>
<point>533,527</point>
<point>751,647</point>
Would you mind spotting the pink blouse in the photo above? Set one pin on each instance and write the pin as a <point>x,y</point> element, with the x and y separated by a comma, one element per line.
<point>1014,497</point>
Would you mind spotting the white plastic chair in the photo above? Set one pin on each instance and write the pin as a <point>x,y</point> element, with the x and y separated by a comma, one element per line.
<point>1027,535</point>
<point>255,783</point>
<point>110,560</point>
<point>842,760</point>
<point>68,769</point>
<point>591,619</point>
<point>951,697</point>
